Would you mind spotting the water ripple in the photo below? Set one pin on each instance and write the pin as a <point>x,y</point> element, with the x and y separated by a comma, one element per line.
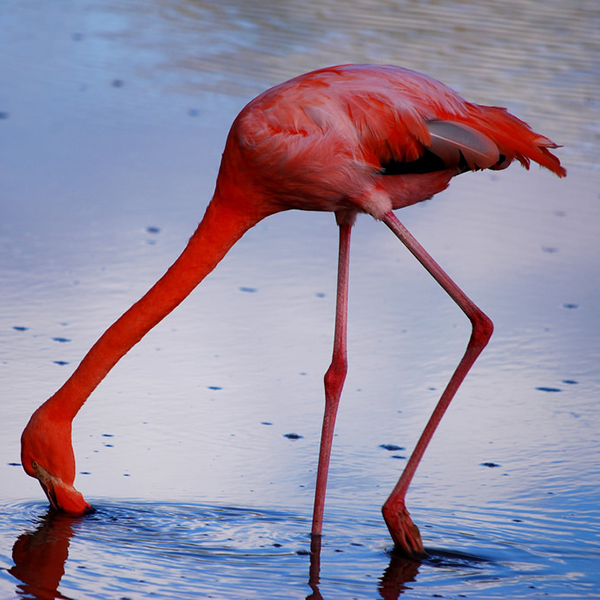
<point>135,549</point>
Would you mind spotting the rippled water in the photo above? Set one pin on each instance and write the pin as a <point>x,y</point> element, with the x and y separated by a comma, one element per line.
<point>185,551</point>
<point>112,121</point>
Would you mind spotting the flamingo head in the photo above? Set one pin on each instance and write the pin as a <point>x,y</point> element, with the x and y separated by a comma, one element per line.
<point>47,455</point>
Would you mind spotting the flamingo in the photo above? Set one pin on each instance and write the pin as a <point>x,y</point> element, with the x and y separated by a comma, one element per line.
<point>346,139</point>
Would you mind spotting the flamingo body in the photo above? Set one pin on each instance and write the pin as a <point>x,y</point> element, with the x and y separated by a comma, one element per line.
<point>326,140</point>
<point>346,139</point>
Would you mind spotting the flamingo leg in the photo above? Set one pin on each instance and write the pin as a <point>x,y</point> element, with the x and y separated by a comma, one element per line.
<point>404,532</point>
<point>335,376</point>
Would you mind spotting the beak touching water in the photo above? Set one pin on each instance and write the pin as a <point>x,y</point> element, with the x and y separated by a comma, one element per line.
<point>62,497</point>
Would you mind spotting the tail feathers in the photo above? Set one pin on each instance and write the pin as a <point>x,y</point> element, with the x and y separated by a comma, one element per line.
<point>516,140</point>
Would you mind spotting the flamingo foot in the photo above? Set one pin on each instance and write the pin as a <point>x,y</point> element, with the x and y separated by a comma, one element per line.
<point>405,534</point>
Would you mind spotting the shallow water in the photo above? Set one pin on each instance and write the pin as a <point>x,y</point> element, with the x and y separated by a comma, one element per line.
<point>141,549</point>
<point>113,121</point>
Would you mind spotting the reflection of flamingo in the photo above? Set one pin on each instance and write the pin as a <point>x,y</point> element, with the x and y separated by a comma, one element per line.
<point>348,139</point>
<point>40,557</point>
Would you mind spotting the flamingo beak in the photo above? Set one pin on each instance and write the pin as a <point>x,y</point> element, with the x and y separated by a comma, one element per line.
<point>50,494</point>
<point>62,497</point>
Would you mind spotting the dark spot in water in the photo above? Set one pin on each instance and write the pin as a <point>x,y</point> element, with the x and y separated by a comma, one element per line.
<point>569,305</point>
<point>570,381</point>
<point>266,423</point>
<point>214,387</point>
<point>3,115</point>
<point>117,83</point>
<point>77,37</point>
<point>153,229</point>
<point>292,436</point>
<point>276,545</point>
<point>108,446</point>
<point>107,435</point>
<point>448,558</point>
<point>517,520</point>
<point>20,328</point>
<point>491,465</point>
<point>399,456</point>
<point>84,473</point>
<point>302,552</point>
<point>62,363</point>
<point>62,340</point>
<point>548,389</point>
<point>560,213</point>
<point>320,295</point>
<point>193,112</point>
<point>549,249</point>
<point>14,464</point>
<point>248,289</point>
<point>391,447</point>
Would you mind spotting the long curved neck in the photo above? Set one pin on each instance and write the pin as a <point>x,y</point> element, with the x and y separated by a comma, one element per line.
<point>225,221</point>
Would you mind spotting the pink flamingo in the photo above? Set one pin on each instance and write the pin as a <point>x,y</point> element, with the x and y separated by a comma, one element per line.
<point>348,139</point>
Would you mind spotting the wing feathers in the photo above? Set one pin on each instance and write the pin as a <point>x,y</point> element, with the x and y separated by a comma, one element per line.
<point>457,143</point>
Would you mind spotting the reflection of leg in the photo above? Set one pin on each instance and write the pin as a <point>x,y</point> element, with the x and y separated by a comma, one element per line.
<point>400,571</point>
<point>334,378</point>
<point>403,531</point>
<point>315,568</point>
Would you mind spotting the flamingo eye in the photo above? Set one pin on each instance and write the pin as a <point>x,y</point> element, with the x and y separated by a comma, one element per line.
<point>34,464</point>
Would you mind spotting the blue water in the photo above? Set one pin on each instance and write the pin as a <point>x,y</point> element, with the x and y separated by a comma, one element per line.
<point>141,550</point>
